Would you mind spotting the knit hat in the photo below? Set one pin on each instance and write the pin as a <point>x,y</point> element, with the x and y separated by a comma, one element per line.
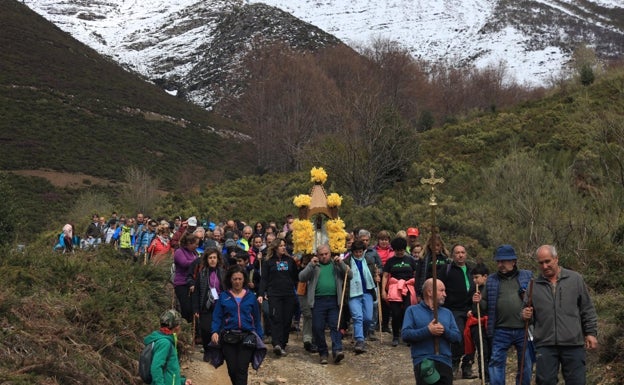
<point>170,319</point>
<point>230,243</point>
<point>505,253</point>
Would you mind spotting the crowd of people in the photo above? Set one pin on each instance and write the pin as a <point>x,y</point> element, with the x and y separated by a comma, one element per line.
<point>243,286</point>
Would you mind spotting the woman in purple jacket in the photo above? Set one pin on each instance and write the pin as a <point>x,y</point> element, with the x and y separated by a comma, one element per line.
<point>183,258</point>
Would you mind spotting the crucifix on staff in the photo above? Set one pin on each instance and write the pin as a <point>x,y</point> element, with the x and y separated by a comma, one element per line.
<point>433,181</point>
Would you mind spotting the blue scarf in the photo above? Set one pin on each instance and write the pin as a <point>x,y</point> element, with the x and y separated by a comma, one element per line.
<point>356,288</point>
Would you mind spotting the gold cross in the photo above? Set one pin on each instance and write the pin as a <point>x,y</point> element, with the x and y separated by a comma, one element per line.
<point>433,181</point>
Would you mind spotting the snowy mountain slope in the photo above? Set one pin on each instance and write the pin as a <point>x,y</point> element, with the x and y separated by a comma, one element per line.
<point>482,32</point>
<point>192,45</point>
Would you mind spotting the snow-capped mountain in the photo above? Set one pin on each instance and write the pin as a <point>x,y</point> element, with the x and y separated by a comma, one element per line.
<point>533,38</point>
<point>191,46</point>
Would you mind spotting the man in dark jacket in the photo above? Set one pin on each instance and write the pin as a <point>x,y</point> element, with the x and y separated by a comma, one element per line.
<point>565,321</point>
<point>457,278</point>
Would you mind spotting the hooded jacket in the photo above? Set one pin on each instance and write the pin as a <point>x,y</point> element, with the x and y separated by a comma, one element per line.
<point>165,365</point>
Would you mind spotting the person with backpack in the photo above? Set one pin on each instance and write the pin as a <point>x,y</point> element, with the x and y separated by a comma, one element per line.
<point>165,366</point>
<point>460,287</point>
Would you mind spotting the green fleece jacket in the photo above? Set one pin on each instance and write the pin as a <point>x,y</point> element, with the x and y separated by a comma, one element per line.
<point>165,364</point>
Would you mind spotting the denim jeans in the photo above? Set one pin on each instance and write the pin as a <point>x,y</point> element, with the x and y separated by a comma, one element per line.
<point>571,359</point>
<point>504,338</point>
<point>325,314</point>
<point>362,314</point>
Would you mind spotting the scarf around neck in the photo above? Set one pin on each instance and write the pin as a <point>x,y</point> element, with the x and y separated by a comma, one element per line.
<point>356,288</point>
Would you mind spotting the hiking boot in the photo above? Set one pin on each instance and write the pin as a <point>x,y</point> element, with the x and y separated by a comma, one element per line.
<point>323,360</point>
<point>338,356</point>
<point>395,341</point>
<point>371,336</point>
<point>278,351</point>
<point>310,347</point>
<point>359,347</point>
<point>386,329</point>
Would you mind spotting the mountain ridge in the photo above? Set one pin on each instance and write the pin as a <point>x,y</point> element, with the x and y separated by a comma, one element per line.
<point>175,44</point>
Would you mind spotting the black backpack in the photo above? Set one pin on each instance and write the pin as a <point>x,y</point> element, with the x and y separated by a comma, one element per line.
<point>145,362</point>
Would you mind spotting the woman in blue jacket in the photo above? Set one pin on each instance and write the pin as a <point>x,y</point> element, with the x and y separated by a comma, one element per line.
<point>236,324</point>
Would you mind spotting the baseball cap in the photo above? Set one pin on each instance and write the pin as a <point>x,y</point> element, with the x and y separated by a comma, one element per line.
<point>413,231</point>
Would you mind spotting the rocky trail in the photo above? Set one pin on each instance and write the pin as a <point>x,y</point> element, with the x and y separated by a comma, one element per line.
<point>382,364</point>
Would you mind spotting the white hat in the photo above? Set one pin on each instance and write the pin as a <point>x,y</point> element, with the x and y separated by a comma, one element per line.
<point>192,221</point>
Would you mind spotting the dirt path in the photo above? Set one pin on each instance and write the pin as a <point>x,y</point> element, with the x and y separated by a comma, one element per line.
<point>382,364</point>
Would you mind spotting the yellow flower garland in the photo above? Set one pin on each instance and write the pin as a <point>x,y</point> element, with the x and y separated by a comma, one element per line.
<point>318,175</point>
<point>303,236</point>
<point>337,235</point>
<point>334,200</point>
<point>302,200</point>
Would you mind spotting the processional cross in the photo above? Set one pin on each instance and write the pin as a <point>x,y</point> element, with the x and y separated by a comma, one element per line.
<point>433,181</point>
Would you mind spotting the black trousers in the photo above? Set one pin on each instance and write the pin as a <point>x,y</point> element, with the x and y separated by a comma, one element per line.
<point>282,310</point>
<point>397,309</point>
<point>457,348</point>
<point>205,323</point>
<point>237,358</point>
<point>184,300</point>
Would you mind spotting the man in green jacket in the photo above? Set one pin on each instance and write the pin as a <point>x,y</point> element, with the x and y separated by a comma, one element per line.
<point>564,318</point>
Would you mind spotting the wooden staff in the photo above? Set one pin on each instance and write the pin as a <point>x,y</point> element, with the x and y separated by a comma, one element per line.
<point>379,317</point>
<point>342,297</point>
<point>526,332</point>
<point>480,342</point>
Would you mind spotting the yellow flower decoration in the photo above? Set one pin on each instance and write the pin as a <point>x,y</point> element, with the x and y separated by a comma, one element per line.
<point>337,235</point>
<point>302,200</point>
<point>318,175</point>
<point>303,236</point>
<point>334,200</point>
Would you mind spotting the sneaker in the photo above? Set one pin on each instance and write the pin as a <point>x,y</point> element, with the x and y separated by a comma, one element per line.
<point>323,360</point>
<point>277,350</point>
<point>338,356</point>
<point>395,342</point>
<point>359,347</point>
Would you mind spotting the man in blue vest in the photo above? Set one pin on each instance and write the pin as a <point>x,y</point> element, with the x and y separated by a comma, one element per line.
<point>503,301</point>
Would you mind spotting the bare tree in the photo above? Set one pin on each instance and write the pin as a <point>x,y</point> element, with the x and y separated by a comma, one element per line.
<point>141,190</point>
<point>366,162</point>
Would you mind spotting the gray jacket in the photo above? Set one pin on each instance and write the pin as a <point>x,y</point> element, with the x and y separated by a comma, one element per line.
<point>310,275</point>
<point>563,317</point>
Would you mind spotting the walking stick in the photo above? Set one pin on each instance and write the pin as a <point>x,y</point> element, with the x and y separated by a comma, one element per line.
<point>481,342</point>
<point>379,317</point>
<point>342,297</point>
<point>526,331</point>
<point>192,340</point>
